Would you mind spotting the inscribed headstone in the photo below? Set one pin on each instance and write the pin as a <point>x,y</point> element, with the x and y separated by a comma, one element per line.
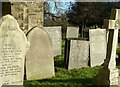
<point>79,54</point>
<point>55,34</point>
<point>98,46</point>
<point>39,58</point>
<point>13,47</point>
<point>72,32</point>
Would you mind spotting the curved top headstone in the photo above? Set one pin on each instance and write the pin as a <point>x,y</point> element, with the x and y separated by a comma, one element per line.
<point>39,58</point>
<point>13,47</point>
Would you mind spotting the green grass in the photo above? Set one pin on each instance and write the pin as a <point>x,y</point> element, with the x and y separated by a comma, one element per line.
<point>118,52</point>
<point>66,78</point>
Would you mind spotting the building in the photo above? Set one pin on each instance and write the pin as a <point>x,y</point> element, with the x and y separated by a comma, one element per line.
<point>28,14</point>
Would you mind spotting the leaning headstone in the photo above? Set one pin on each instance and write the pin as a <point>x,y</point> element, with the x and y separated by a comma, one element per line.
<point>109,74</point>
<point>98,46</point>
<point>72,32</point>
<point>13,47</point>
<point>39,58</point>
<point>55,34</point>
<point>78,54</point>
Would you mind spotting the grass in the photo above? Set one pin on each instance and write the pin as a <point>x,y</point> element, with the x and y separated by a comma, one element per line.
<point>66,78</point>
<point>118,59</point>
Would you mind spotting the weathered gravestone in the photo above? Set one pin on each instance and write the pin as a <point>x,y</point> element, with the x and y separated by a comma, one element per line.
<point>98,46</point>
<point>39,58</point>
<point>55,34</point>
<point>109,73</point>
<point>13,47</point>
<point>72,32</point>
<point>77,53</point>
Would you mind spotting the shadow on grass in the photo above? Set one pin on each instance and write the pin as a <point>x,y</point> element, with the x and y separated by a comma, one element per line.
<point>71,82</point>
<point>59,61</point>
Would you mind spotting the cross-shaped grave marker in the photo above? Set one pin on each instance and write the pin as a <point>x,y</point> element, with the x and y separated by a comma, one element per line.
<point>109,73</point>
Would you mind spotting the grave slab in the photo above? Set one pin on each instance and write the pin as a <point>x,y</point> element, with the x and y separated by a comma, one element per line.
<point>55,34</point>
<point>79,54</point>
<point>98,46</point>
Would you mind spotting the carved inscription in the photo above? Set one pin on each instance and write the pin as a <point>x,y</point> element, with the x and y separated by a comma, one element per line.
<point>10,56</point>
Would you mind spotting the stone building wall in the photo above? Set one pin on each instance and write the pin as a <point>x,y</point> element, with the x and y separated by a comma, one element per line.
<point>28,14</point>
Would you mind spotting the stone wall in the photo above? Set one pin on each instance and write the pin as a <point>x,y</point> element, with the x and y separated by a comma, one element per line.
<point>28,14</point>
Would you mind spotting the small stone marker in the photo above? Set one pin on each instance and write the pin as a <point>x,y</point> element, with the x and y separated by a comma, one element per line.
<point>13,47</point>
<point>78,54</point>
<point>55,34</point>
<point>39,58</point>
<point>109,74</point>
<point>98,46</point>
<point>72,32</point>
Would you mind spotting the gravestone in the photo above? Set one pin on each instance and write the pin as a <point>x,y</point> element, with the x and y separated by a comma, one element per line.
<point>78,54</point>
<point>72,32</point>
<point>98,46</point>
<point>55,34</point>
<point>13,47</point>
<point>109,74</point>
<point>39,58</point>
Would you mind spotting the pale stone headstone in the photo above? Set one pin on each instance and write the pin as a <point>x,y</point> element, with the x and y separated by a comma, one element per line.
<point>55,34</point>
<point>98,46</point>
<point>39,58</point>
<point>79,54</point>
<point>109,24</point>
<point>13,47</point>
<point>109,74</point>
<point>72,32</point>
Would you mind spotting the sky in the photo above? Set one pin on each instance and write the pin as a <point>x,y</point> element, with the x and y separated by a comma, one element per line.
<point>62,6</point>
<point>63,0</point>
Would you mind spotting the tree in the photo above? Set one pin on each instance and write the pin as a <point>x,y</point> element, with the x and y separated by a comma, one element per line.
<point>54,12</point>
<point>90,13</point>
<point>56,15</point>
